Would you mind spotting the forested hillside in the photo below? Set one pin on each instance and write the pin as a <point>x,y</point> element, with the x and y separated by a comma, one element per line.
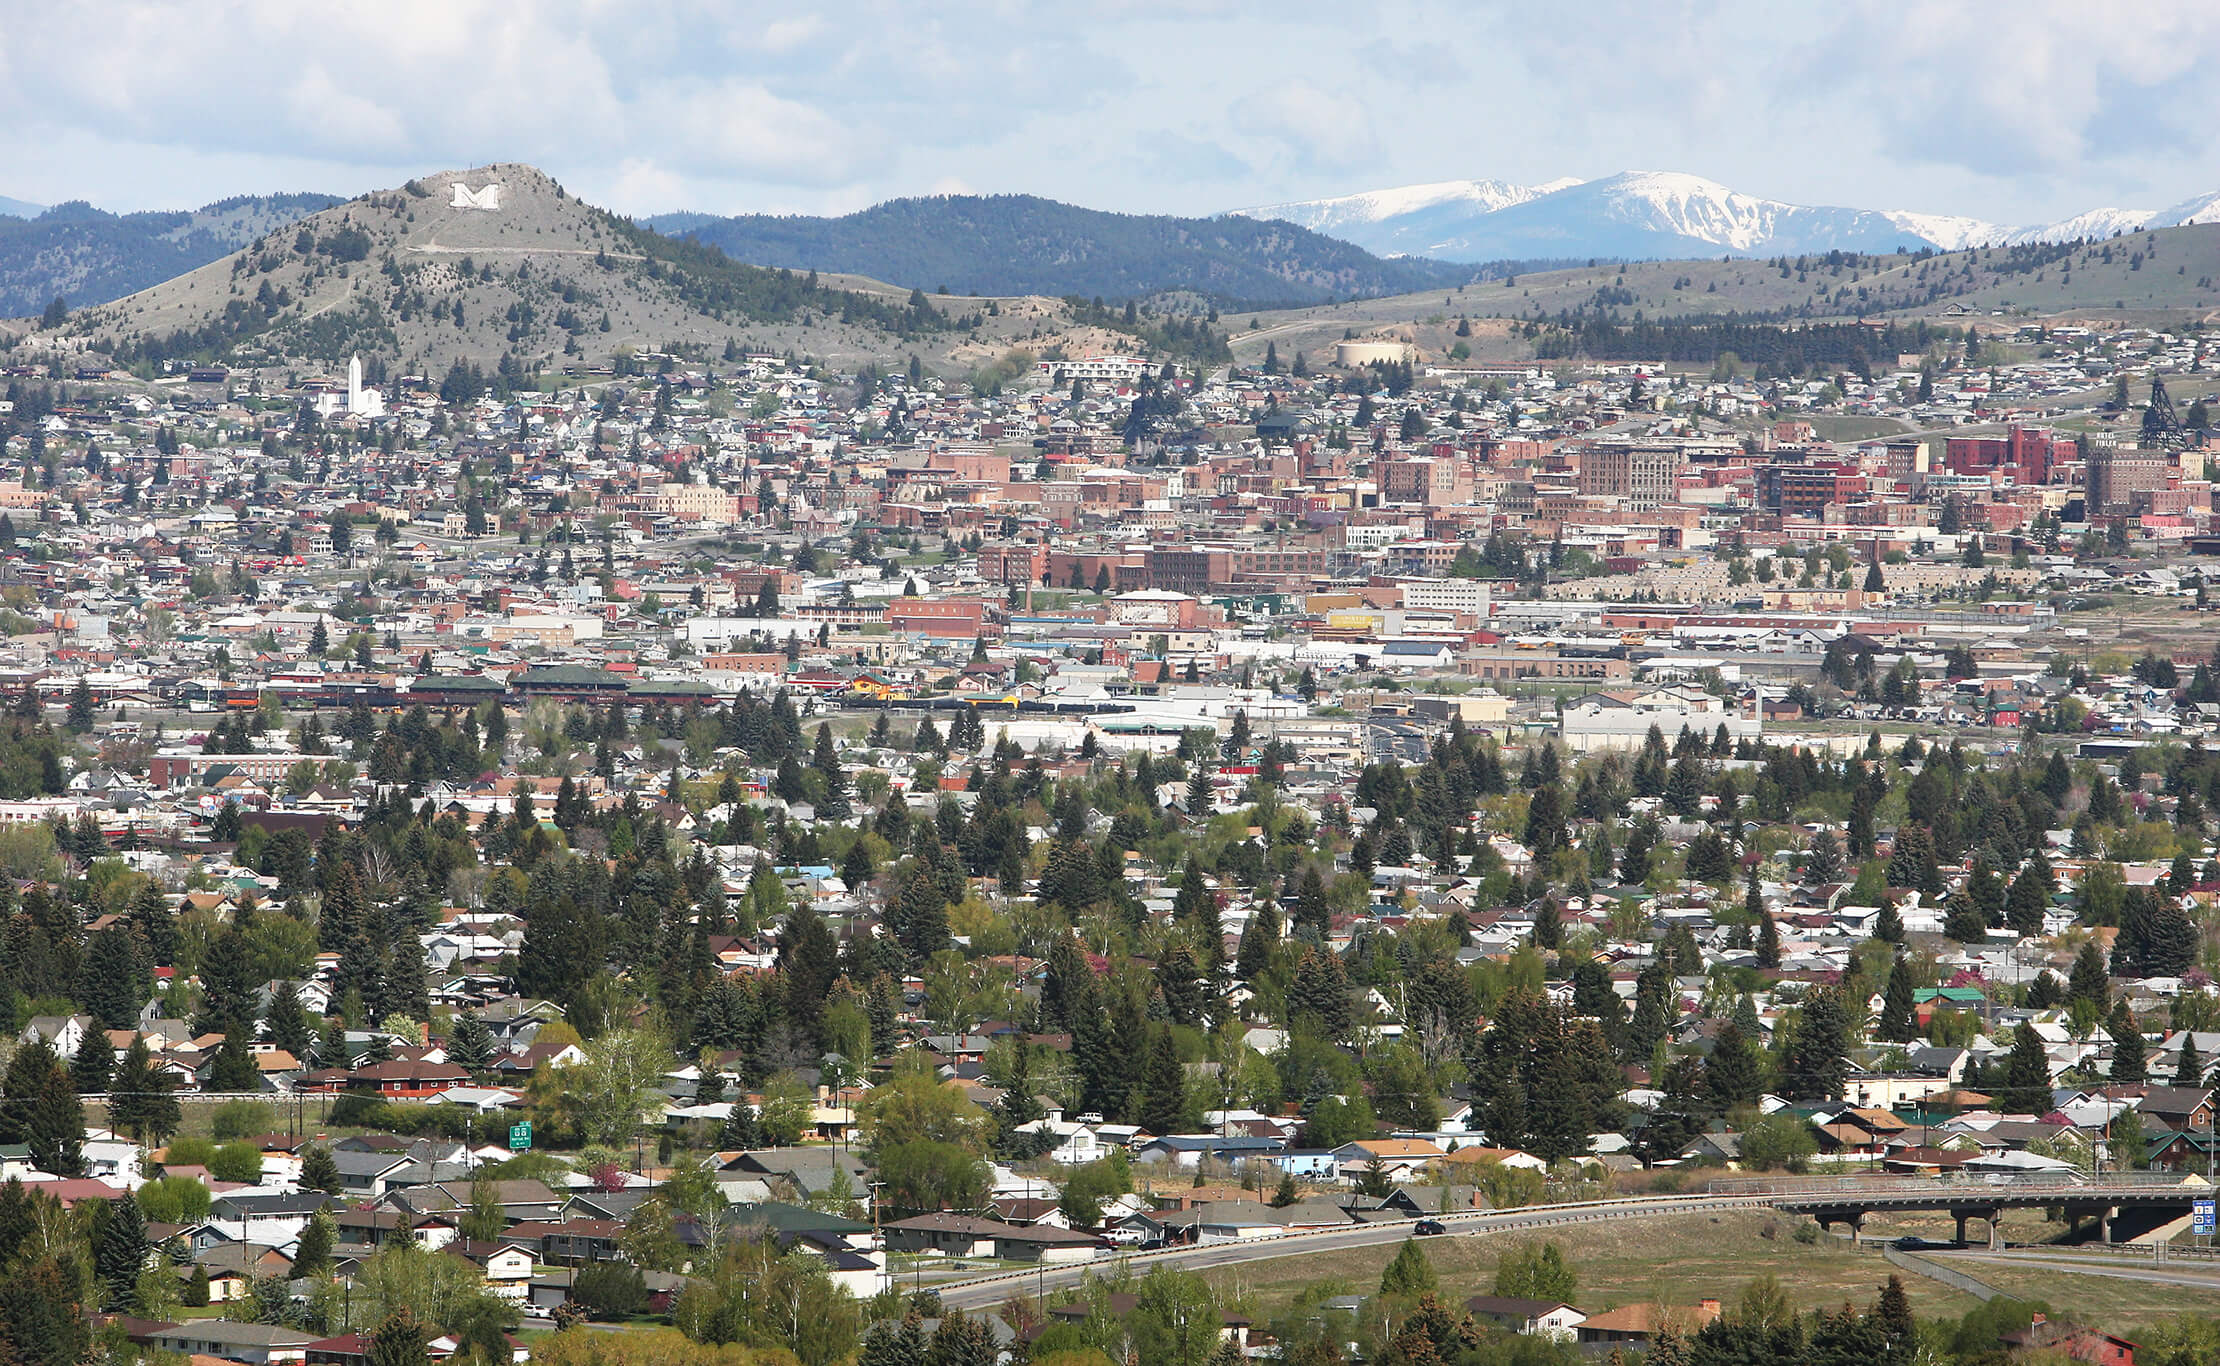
<point>1020,244</point>
<point>79,253</point>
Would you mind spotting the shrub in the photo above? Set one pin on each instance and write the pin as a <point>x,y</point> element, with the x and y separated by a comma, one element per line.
<point>610,1290</point>
<point>239,1118</point>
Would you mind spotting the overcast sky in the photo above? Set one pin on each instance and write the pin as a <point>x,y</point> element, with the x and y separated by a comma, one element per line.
<point>2015,112</point>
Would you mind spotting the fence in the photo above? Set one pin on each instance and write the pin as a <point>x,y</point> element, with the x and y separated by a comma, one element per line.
<point>1935,1271</point>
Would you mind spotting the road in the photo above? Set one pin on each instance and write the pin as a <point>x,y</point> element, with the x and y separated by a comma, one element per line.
<point>991,1290</point>
<point>1402,740</point>
<point>2199,1275</point>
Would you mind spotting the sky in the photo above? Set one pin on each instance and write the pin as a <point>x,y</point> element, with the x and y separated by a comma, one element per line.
<point>2016,113</point>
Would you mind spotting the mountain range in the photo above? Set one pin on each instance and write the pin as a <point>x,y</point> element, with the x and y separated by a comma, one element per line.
<point>1663,215</point>
<point>1022,244</point>
<point>79,253</point>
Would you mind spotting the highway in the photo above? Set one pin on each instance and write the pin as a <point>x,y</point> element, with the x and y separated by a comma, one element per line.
<point>2199,1275</point>
<point>984,1291</point>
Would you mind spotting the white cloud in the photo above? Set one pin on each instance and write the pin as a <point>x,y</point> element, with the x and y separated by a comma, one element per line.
<point>1316,128</point>
<point>2013,113</point>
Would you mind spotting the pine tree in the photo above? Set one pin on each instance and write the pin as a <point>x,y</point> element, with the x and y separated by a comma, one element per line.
<point>1769,941</point>
<point>319,1170</point>
<point>1817,1061</point>
<point>93,1064</point>
<point>39,1107</point>
<point>2090,980</point>
<point>2189,1067</point>
<point>1259,938</point>
<point>312,1258</point>
<point>1897,1022</point>
<point>2026,1088</point>
<point>121,1252</point>
<point>400,1341</point>
<point>141,1103</point>
<point>1410,1274</point>
<point>1162,1104</point>
<point>2127,1047</point>
<point>2025,903</point>
<point>470,1044</point>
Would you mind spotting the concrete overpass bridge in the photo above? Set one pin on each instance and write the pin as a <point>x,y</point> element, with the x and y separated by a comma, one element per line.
<point>2148,1200</point>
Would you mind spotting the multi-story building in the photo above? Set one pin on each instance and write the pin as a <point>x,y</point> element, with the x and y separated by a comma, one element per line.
<point>2117,473</point>
<point>1644,476</point>
<point>1807,490</point>
<point>1200,568</point>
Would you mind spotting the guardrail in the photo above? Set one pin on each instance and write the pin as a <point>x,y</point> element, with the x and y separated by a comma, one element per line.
<point>1524,1216</point>
<point>1822,1187</point>
<point>2141,1252</point>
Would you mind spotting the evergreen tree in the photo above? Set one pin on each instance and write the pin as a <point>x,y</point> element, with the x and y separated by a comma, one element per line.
<point>1897,1022</point>
<point>2025,903</point>
<point>400,1341</point>
<point>319,1170</point>
<point>39,1107</point>
<point>1162,1104</point>
<point>1734,1073</point>
<point>2026,1088</point>
<point>120,1253</point>
<point>2127,1047</point>
<point>1410,1274</point>
<point>1817,1061</point>
<point>1259,938</point>
<point>312,1258</point>
<point>94,1063</point>
<point>2090,980</point>
<point>141,1103</point>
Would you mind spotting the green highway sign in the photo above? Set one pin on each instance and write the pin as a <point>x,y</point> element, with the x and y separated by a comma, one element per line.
<point>520,1135</point>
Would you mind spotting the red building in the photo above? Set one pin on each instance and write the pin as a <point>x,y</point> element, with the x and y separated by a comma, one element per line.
<point>2026,454</point>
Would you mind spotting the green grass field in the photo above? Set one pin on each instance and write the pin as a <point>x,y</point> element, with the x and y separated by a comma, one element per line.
<point>1676,1259</point>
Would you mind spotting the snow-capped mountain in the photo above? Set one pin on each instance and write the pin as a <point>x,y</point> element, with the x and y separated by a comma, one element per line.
<point>1409,221</point>
<point>2203,208</point>
<point>1661,215</point>
<point>1636,214</point>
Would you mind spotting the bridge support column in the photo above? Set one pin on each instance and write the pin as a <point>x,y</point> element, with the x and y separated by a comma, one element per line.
<point>1961,1216</point>
<point>1857,1224</point>
<point>2104,1224</point>
<point>1996,1228</point>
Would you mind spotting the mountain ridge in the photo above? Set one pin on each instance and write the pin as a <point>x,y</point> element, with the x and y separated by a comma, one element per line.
<point>1663,215</point>
<point>496,265</point>
<point>1025,244</point>
<point>86,255</point>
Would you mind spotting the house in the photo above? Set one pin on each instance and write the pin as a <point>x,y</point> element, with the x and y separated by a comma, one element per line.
<point>1235,1221</point>
<point>1636,1324</point>
<point>953,1235</point>
<point>63,1032</point>
<point>1552,1319</point>
<point>276,1218</point>
<point>367,1174</point>
<point>2072,1341</point>
<point>258,1344</point>
<point>1394,1156</point>
<point>507,1265</point>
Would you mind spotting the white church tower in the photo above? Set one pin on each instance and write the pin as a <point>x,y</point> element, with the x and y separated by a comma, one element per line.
<point>361,402</point>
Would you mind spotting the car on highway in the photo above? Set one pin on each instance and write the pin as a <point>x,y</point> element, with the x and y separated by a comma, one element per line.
<point>1427,1228</point>
<point>1913,1243</point>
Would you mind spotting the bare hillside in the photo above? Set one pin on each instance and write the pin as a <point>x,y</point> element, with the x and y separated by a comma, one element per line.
<point>483,264</point>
